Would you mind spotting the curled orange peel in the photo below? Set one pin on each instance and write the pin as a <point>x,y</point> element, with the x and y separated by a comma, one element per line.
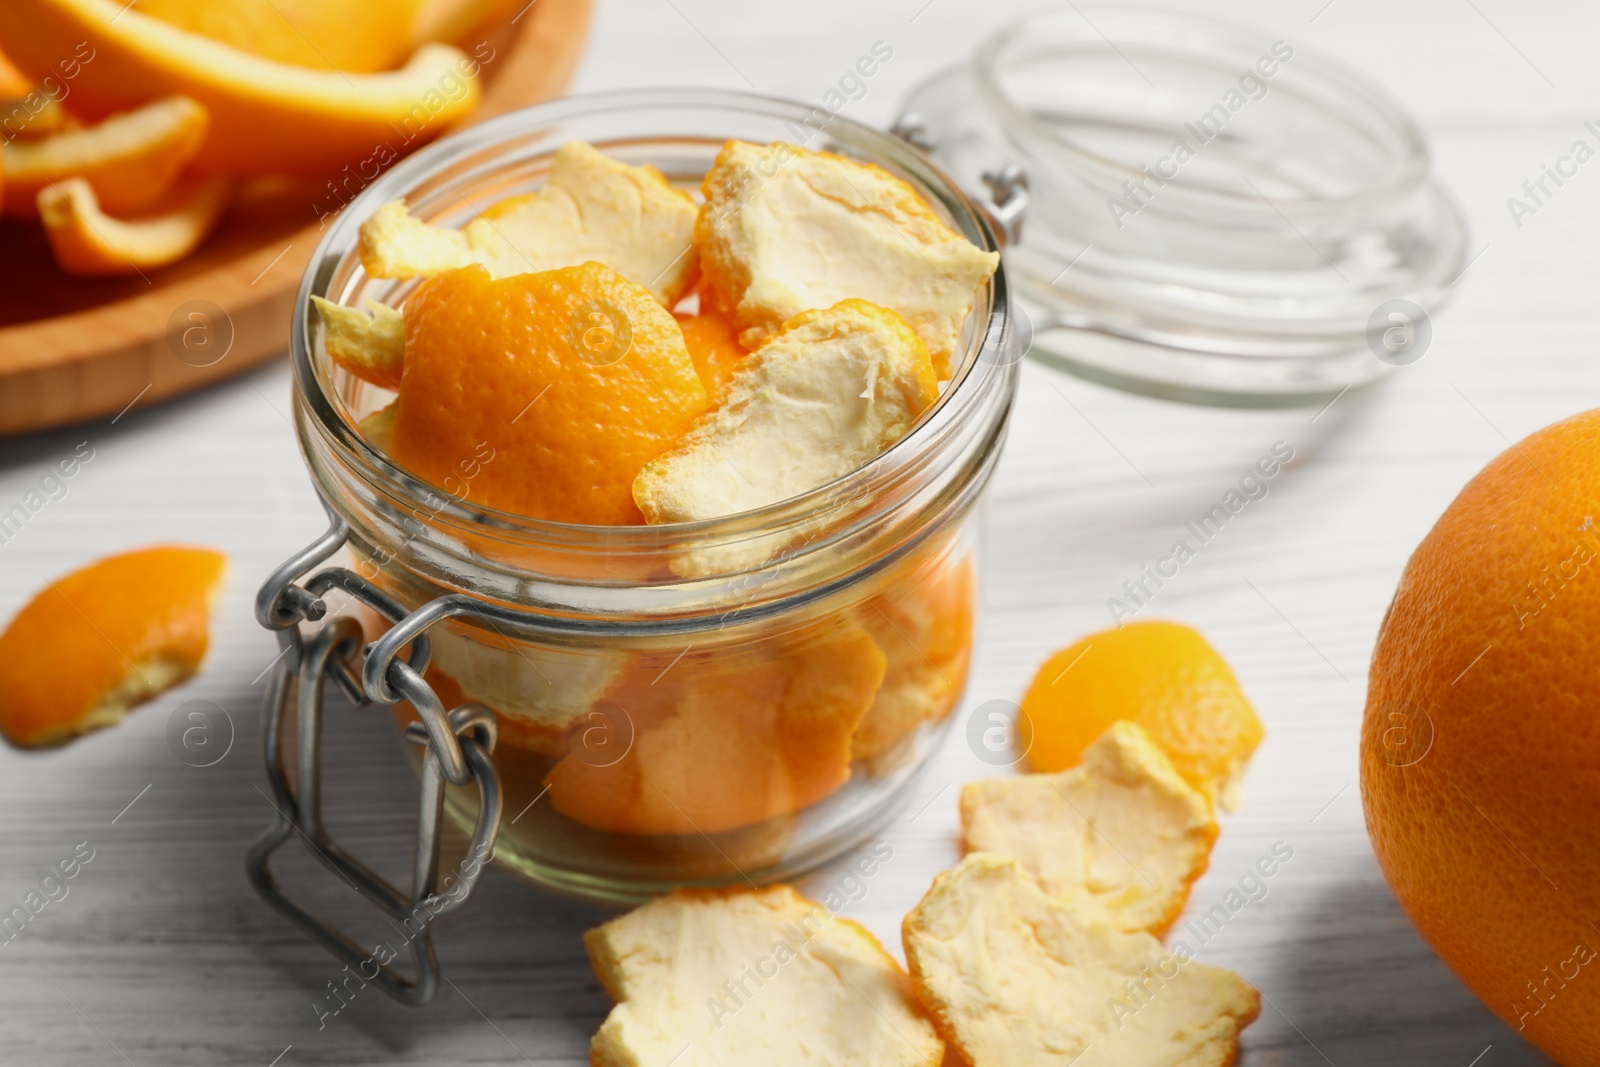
<point>267,117</point>
<point>130,160</point>
<point>90,243</point>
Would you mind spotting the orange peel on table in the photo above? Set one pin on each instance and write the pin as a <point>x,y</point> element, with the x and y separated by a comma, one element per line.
<point>266,117</point>
<point>131,159</point>
<point>99,641</point>
<point>355,36</point>
<point>89,243</point>
<point>542,394</point>
<point>1162,675</point>
<point>721,741</point>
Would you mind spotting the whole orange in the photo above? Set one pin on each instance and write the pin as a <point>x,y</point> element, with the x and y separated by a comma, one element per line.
<point>1480,750</point>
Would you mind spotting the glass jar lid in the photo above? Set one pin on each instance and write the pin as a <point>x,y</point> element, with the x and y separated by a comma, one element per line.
<point>1213,215</point>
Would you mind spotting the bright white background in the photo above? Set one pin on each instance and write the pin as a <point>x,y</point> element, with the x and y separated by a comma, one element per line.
<point>161,954</point>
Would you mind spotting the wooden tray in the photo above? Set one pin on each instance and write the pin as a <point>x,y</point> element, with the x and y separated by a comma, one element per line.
<point>75,348</point>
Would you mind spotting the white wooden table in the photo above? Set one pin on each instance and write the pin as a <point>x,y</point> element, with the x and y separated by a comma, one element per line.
<point>161,955</point>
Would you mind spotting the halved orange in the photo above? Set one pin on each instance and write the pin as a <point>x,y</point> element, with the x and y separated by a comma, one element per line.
<point>356,36</point>
<point>100,640</point>
<point>90,243</point>
<point>266,117</point>
<point>130,159</point>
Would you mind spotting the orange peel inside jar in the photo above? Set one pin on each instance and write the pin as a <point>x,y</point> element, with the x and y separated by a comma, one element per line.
<point>95,643</point>
<point>923,624</point>
<point>720,741</point>
<point>542,394</point>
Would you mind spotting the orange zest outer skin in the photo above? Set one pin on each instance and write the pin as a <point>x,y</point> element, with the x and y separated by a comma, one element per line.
<point>267,118</point>
<point>355,36</point>
<point>129,171</point>
<point>1163,676</point>
<point>498,403</point>
<point>713,343</point>
<point>85,634</point>
<point>1480,757</point>
<point>723,740</point>
<point>88,243</point>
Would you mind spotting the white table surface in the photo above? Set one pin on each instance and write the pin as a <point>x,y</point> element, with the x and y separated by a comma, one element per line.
<point>162,955</point>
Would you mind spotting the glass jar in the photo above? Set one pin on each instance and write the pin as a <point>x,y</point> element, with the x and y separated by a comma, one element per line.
<point>730,700</point>
<point>1216,215</point>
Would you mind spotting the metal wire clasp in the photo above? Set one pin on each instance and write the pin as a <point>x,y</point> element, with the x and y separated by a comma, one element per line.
<point>456,748</point>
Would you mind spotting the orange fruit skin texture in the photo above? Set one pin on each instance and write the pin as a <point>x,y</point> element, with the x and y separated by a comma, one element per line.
<point>723,740</point>
<point>1162,675</point>
<point>502,403</point>
<point>97,629</point>
<point>713,343</point>
<point>267,118</point>
<point>1477,834</point>
<point>358,36</point>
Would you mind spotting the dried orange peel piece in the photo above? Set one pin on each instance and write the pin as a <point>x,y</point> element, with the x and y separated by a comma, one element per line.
<point>829,393</point>
<point>725,740</point>
<point>752,976</point>
<point>923,624</point>
<point>131,159</point>
<point>591,208</point>
<point>542,394</point>
<point>784,230</point>
<point>370,344</point>
<point>1122,835</point>
<point>396,245</point>
<point>1161,675</point>
<point>713,342</point>
<point>88,242</point>
<point>266,117</point>
<point>379,427</point>
<point>98,641</point>
<point>1014,976</point>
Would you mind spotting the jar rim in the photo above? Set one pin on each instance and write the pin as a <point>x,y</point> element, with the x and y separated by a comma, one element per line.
<point>1192,33</point>
<point>986,364</point>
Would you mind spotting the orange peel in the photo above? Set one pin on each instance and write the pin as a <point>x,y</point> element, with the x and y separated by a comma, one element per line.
<point>99,641</point>
<point>355,36</point>
<point>370,344</point>
<point>923,624</point>
<point>713,343</point>
<point>1162,675</point>
<point>456,20</point>
<point>89,243</point>
<point>31,114</point>
<point>591,208</point>
<point>542,394</point>
<point>721,741</point>
<point>267,117</point>
<point>131,159</point>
